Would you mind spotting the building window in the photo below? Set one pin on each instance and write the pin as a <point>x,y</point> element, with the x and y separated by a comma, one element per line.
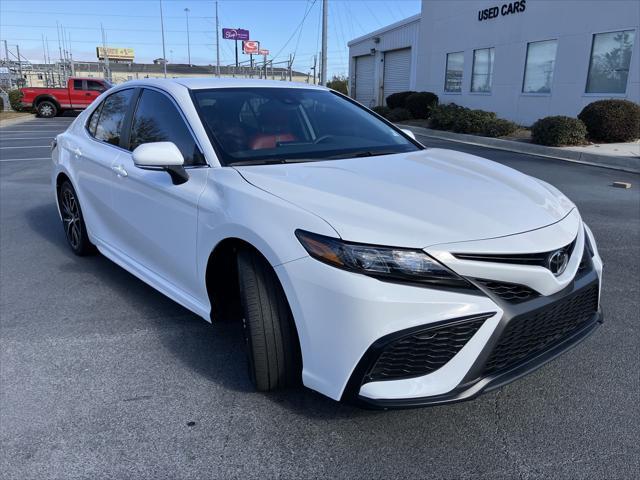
<point>610,59</point>
<point>538,70</point>
<point>482,71</point>
<point>453,74</point>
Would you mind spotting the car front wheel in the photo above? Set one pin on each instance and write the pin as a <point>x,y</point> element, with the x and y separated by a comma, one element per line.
<point>270,335</point>
<point>73,222</point>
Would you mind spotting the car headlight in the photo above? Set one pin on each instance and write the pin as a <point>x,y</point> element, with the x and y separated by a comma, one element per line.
<point>385,263</point>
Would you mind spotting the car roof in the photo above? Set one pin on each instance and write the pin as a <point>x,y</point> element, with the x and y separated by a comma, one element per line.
<point>200,83</point>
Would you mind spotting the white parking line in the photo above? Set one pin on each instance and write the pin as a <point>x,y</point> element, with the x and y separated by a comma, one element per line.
<point>5,139</point>
<point>28,146</point>
<point>23,159</point>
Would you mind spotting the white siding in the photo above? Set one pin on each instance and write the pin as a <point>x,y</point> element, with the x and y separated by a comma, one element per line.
<point>454,27</point>
<point>400,35</point>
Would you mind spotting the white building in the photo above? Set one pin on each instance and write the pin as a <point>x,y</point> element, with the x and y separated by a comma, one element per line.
<point>523,59</point>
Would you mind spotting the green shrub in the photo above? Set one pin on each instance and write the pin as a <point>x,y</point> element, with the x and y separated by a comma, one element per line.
<point>15,97</point>
<point>443,116</point>
<point>499,127</point>
<point>398,115</point>
<point>472,121</point>
<point>558,130</point>
<point>339,83</point>
<point>398,100</point>
<point>382,110</point>
<point>612,120</point>
<point>420,104</point>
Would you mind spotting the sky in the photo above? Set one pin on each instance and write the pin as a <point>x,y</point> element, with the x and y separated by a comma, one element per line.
<point>136,24</point>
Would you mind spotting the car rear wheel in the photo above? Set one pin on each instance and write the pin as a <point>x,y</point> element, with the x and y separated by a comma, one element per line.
<point>270,335</point>
<point>73,221</point>
<point>47,109</point>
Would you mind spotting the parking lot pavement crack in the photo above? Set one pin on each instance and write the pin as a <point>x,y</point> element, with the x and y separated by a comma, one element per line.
<point>513,457</point>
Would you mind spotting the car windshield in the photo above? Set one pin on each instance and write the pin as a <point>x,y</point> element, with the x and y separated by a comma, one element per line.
<point>276,125</point>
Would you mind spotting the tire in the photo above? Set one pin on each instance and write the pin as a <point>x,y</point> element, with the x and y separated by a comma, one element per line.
<point>47,109</point>
<point>271,340</point>
<point>75,229</point>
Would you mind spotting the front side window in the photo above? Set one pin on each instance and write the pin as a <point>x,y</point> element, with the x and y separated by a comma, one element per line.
<point>77,85</point>
<point>158,120</point>
<point>113,111</point>
<point>482,71</point>
<point>538,70</point>
<point>453,75</point>
<point>610,59</point>
<point>262,125</point>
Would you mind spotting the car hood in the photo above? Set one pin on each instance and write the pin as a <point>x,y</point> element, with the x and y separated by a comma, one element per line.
<point>415,199</point>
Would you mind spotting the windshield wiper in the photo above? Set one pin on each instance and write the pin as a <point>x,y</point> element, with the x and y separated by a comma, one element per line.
<point>273,161</point>
<point>362,153</point>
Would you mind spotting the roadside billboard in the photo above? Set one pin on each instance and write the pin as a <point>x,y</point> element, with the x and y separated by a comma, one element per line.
<point>263,51</point>
<point>124,54</point>
<point>235,34</point>
<point>251,47</point>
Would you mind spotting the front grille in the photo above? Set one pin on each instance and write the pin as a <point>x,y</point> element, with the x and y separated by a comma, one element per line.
<point>510,292</point>
<point>424,351</point>
<point>538,259</point>
<point>531,333</point>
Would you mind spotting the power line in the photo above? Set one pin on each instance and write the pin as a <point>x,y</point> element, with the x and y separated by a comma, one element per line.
<point>98,15</point>
<point>109,29</point>
<point>296,30</point>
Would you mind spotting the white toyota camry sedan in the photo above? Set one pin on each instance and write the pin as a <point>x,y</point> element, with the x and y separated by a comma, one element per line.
<point>366,266</point>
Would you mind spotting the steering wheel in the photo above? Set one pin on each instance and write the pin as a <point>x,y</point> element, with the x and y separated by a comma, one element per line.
<point>322,139</point>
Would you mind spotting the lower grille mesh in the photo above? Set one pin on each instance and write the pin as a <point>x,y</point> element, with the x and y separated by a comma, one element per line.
<point>534,332</point>
<point>511,292</point>
<point>424,351</point>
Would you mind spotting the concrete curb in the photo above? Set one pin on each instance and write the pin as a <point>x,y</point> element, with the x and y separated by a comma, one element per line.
<point>7,122</point>
<point>625,164</point>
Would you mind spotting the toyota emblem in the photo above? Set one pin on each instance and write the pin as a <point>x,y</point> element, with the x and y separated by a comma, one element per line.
<point>557,262</point>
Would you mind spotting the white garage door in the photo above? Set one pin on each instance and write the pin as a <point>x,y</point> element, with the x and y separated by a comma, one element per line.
<point>397,69</point>
<point>364,80</point>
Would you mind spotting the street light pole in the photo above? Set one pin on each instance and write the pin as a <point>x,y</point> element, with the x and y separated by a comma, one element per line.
<point>186,11</point>
<point>217,43</point>
<point>164,54</point>
<point>323,66</point>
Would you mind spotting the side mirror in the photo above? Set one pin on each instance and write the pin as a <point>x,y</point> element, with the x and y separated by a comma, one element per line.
<point>161,156</point>
<point>408,133</point>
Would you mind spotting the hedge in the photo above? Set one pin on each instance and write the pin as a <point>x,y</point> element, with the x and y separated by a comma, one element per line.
<point>420,104</point>
<point>15,97</point>
<point>612,120</point>
<point>398,100</point>
<point>558,131</point>
<point>398,115</point>
<point>381,110</point>
<point>475,122</point>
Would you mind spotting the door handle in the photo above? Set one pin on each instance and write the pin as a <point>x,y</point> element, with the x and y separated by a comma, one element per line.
<point>120,171</point>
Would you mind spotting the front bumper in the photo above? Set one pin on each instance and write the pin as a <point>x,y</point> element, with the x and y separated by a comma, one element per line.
<point>344,321</point>
<point>477,380</point>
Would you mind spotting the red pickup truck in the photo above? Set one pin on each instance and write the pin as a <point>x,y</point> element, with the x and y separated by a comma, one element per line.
<point>78,95</point>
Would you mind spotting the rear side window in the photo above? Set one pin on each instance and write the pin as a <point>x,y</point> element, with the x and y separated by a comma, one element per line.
<point>113,110</point>
<point>97,86</point>
<point>158,120</point>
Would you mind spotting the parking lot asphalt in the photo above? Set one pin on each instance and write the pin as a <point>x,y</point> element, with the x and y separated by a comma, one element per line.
<point>103,377</point>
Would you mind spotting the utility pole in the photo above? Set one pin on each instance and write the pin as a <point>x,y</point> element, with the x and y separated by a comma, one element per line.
<point>315,60</point>
<point>290,67</point>
<point>105,54</point>
<point>19,63</point>
<point>164,54</point>
<point>323,66</point>
<point>60,63</point>
<point>186,11</point>
<point>217,43</point>
<point>6,52</point>
<point>46,65</point>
